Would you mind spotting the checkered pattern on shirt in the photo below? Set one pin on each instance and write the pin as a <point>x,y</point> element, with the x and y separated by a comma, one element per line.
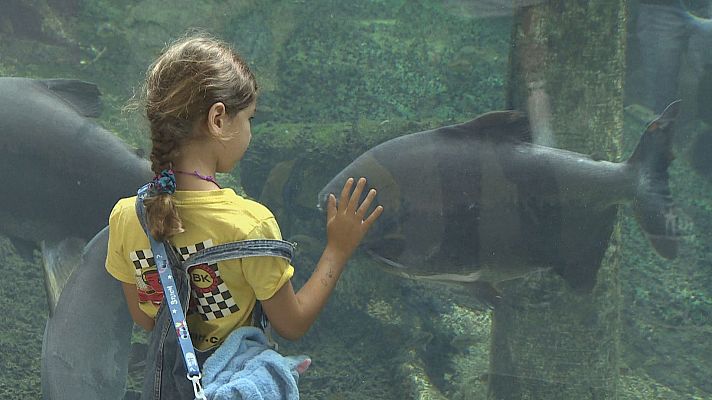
<point>217,303</point>
<point>142,260</point>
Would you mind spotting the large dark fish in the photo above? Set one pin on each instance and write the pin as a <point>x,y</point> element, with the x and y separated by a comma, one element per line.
<point>477,203</point>
<point>86,343</point>
<point>62,172</point>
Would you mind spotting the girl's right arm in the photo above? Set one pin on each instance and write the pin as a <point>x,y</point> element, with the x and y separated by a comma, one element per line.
<point>291,314</point>
<point>139,317</point>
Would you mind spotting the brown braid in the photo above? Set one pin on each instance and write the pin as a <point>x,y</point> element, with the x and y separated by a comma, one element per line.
<point>189,77</point>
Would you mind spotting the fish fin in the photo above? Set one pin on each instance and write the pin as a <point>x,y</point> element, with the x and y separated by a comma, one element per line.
<point>59,261</point>
<point>500,124</point>
<point>82,96</point>
<point>653,205</point>
<point>395,267</point>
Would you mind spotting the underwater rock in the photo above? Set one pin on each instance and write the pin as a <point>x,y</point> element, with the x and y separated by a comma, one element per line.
<point>35,21</point>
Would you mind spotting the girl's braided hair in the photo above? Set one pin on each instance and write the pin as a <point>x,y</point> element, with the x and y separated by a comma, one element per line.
<point>190,76</point>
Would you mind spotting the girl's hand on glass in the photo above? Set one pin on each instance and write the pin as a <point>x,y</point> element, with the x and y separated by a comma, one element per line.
<point>347,223</point>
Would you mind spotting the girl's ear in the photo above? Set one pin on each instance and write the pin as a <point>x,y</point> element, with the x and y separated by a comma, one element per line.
<point>217,117</point>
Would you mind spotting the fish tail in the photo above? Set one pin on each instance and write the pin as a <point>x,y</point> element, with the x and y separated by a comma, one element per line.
<point>653,204</point>
<point>59,261</point>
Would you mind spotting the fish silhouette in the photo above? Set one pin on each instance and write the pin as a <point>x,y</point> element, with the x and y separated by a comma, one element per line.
<point>478,203</point>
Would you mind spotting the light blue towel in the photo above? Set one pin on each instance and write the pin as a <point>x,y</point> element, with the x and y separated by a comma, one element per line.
<point>245,367</point>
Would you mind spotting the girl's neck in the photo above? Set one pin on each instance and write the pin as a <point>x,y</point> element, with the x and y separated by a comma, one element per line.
<point>194,176</point>
<point>195,167</point>
<point>195,185</point>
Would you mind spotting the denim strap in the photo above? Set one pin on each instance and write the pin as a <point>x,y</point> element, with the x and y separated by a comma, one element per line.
<point>244,249</point>
<point>241,249</point>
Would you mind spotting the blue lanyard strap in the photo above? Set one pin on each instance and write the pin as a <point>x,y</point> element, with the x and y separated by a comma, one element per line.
<point>171,297</point>
<point>170,293</point>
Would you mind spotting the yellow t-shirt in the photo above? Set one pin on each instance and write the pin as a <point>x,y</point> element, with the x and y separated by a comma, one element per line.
<point>223,295</point>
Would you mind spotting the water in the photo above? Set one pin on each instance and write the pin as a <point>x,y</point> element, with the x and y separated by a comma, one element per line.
<point>340,77</point>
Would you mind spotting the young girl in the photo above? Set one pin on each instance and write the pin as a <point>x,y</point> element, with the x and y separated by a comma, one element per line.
<point>200,97</point>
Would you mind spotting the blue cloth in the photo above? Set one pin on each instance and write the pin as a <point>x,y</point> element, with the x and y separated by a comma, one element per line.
<point>245,367</point>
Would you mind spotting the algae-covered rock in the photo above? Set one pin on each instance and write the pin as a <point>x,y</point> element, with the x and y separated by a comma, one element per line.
<point>24,305</point>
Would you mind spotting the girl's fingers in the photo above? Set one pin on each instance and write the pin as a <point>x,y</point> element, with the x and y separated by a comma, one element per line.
<point>373,217</point>
<point>366,203</point>
<point>356,195</point>
<point>331,207</point>
<point>349,202</point>
<point>344,198</point>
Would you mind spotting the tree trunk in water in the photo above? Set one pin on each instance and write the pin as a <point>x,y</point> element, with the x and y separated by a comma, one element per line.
<point>566,71</point>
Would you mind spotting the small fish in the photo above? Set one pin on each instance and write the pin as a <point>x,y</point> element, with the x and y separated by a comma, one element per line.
<point>478,203</point>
